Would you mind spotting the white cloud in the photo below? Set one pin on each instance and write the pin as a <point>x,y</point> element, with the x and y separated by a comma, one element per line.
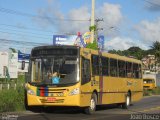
<point>50,1</point>
<point>123,43</point>
<point>81,13</point>
<point>47,17</point>
<point>111,14</point>
<point>149,31</point>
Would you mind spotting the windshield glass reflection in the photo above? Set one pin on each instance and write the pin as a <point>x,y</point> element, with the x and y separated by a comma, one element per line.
<point>52,70</point>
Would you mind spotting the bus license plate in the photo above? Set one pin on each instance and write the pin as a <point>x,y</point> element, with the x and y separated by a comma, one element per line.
<point>51,99</point>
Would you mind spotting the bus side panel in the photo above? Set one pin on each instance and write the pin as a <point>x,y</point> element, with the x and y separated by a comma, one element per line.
<point>136,96</point>
<point>85,95</point>
<point>110,98</point>
<point>114,90</point>
<point>137,92</point>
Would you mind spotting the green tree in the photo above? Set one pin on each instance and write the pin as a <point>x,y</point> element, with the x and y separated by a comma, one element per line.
<point>112,51</point>
<point>156,49</point>
<point>93,45</point>
<point>132,51</point>
<point>136,52</point>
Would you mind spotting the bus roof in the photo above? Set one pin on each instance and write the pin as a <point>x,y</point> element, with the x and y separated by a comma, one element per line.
<point>52,50</point>
<point>114,56</point>
<point>55,46</point>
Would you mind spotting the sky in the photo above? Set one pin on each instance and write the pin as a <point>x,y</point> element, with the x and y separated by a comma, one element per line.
<point>125,23</point>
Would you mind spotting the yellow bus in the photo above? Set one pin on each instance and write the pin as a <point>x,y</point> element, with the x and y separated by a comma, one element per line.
<point>81,77</point>
<point>149,83</point>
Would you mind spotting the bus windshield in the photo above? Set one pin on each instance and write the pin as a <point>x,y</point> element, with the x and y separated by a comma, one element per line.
<point>55,70</point>
<point>148,81</point>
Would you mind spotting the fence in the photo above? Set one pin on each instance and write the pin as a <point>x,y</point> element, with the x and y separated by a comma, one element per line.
<point>7,86</point>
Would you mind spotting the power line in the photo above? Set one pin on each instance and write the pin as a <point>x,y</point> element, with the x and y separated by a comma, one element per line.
<point>24,35</point>
<point>20,42</point>
<point>153,3</point>
<point>6,44</point>
<point>50,36</point>
<point>9,11</point>
<point>29,28</point>
<point>25,28</point>
<point>13,30</point>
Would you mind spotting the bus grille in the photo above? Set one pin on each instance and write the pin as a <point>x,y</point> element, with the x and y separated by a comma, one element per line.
<point>50,92</point>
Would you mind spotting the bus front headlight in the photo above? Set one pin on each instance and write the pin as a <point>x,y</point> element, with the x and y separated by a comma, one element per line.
<point>75,91</point>
<point>31,92</point>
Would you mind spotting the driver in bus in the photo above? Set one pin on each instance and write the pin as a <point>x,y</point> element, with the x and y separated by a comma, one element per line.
<point>55,78</point>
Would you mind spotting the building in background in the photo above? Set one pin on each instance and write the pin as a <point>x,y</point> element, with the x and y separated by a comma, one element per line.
<point>13,63</point>
<point>8,64</point>
<point>23,61</point>
<point>3,64</point>
<point>149,64</point>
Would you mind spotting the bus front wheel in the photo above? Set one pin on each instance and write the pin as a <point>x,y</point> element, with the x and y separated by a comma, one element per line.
<point>93,102</point>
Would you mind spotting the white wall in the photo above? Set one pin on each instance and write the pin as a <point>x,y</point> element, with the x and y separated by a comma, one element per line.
<point>10,60</point>
<point>3,62</point>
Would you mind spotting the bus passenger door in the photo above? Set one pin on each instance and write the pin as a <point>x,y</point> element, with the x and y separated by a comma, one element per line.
<point>85,82</point>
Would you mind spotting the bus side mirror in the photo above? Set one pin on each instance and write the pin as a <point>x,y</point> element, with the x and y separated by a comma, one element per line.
<point>23,65</point>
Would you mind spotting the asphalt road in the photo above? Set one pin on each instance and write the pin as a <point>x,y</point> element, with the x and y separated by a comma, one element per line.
<point>139,110</point>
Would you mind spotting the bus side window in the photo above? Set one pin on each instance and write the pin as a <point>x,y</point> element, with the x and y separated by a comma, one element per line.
<point>95,65</point>
<point>105,65</point>
<point>113,67</point>
<point>135,70</point>
<point>86,74</point>
<point>129,70</point>
<point>122,68</point>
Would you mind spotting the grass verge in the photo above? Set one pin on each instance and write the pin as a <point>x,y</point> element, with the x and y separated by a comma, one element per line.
<point>155,91</point>
<point>12,100</point>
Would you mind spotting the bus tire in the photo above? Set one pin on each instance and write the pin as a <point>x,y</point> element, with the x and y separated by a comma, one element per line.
<point>92,108</point>
<point>127,102</point>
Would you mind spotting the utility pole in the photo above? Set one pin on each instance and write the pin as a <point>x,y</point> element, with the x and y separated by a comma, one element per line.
<point>92,20</point>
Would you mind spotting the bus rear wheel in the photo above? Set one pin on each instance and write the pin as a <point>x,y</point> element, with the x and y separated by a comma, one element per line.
<point>93,102</point>
<point>127,102</point>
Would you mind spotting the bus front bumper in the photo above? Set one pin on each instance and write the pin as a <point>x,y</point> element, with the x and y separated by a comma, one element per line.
<point>73,100</point>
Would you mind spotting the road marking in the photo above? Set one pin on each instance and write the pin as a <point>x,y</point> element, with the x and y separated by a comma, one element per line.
<point>95,118</point>
<point>151,96</point>
<point>150,109</point>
